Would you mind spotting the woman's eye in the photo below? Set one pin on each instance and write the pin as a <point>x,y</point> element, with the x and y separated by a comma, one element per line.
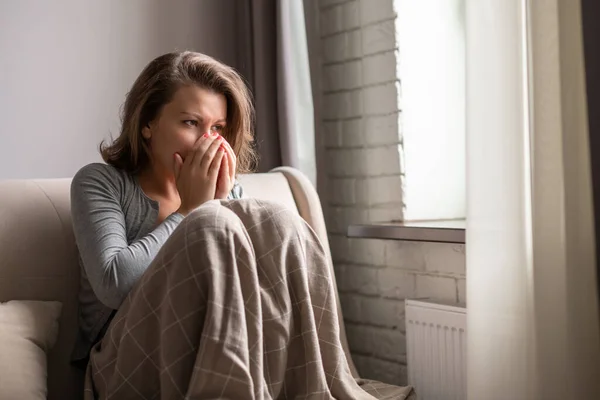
<point>191,122</point>
<point>217,128</point>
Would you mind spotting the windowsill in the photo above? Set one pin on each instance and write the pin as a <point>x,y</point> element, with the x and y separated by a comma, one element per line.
<point>441,231</point>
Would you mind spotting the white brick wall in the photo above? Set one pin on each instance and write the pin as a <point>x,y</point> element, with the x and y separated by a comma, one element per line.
<point>346,75</point>
<point>384,343</point>
<point>436,287</point>
<point>382,130</point>
<point>369,13</point>
<point>340,105</point>
<point>379,68</point>
<point>362,139</point>
<point>352,133</point>
<point>382,370</point>
<point>381,99</point>
<point>378,37</point>
<point>342,46</point>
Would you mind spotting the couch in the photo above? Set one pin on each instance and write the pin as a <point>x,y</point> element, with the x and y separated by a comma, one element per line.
<point>38,254</point>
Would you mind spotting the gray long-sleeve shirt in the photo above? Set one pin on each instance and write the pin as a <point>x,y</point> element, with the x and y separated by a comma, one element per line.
<point>114,226</point>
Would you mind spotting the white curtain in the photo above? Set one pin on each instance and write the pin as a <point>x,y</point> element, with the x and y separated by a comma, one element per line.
<point>533,329</point>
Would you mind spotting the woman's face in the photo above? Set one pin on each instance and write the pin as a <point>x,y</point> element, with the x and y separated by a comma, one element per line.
<point>192,112</point>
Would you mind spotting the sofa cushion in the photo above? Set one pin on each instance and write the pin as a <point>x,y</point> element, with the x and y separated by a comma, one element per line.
<point>28,329</point>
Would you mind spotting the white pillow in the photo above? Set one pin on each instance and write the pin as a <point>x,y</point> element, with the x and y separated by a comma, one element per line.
<point>28,329</point>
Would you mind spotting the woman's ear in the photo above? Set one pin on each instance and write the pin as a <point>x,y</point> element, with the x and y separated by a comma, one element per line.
<point>147,132</point>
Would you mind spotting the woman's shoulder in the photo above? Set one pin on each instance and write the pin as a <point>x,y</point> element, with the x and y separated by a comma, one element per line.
<point>101,175</point>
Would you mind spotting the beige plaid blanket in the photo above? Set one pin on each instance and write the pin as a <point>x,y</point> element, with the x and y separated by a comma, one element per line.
<point>238,304</point>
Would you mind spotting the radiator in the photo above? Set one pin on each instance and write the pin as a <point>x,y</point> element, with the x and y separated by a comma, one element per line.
<point>436,350</point>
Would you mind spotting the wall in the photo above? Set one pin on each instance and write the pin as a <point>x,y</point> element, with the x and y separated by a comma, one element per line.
<point>66,66</point>
<point>360,131</point>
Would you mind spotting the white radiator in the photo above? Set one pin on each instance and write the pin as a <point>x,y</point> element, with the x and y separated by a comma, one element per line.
<point>436,337</point>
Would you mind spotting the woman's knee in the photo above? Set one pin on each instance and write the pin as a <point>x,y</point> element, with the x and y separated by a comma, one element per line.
<point>257,212</point>
<point>237,217</point>
<point>208,230</point>
<point>212,216</point>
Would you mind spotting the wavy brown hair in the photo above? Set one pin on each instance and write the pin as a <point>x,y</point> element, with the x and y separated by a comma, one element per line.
<point>156,86</point>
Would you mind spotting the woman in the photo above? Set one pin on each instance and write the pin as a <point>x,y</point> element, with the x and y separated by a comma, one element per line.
<point>189,290</point>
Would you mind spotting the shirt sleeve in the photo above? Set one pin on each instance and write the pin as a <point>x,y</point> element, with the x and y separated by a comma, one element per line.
<point>237,192</point>
<point>112,265</point>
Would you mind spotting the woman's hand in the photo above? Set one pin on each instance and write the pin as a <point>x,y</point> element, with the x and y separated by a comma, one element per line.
<point>226,173</point>
<point>196,177</point>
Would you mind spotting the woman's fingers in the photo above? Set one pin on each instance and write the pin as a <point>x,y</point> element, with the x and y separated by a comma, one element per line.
<point>209,154</point>
<point>229,149</point>
<point>215,165</point>
<point>196,150</point>
<point>205,151</point>
<point>231,160</point>
<point>225,170</point>
<point>202,145</point>
<point>197,181</point>
<point>223,181</point>
<point>177,165</point>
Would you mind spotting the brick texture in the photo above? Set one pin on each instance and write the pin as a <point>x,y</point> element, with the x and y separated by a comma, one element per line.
<point>362,128</point>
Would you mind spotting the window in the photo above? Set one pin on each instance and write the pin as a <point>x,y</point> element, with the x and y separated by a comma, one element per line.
<point>431,70</point>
